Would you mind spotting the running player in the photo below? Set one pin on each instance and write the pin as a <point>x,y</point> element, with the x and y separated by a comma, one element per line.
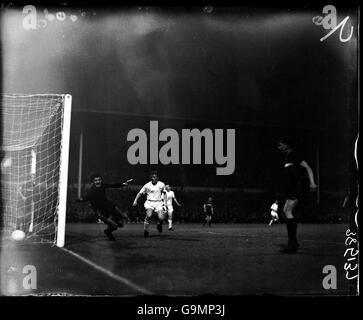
<point>155,202</point>
<point>209,211</point>
<point>170,196</point>
<point>274,212</point>
<point>105,210</point>
<point>294,189</point>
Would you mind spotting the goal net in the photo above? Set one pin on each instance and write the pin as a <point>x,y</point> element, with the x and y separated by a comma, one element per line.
<point>34,165</point>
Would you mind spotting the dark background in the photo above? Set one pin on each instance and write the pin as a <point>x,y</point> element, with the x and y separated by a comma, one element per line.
<point>261,71</point>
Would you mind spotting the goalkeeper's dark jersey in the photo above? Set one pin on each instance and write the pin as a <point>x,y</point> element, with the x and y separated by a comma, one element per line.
<point>97,198</point>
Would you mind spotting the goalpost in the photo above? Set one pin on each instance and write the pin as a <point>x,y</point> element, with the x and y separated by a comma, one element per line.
<point>34,165</point>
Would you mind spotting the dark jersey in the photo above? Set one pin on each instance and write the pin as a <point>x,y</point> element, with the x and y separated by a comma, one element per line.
<point>293,157</point>
<point>295,175</point>
<point>208,208</point>
<point>97,197</point>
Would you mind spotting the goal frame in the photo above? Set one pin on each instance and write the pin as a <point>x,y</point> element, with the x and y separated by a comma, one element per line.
<point>59,221</point>
<point>63,176</point>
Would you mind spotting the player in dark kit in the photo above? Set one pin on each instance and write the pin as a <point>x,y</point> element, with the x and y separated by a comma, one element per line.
<point>209,211</point>
<point>295,171</point>
<point>105,210</point>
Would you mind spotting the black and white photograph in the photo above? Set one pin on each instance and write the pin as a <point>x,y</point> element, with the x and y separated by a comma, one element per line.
<point>179,151</point>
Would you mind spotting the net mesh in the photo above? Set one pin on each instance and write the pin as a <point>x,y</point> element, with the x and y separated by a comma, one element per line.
<point>30,164</point>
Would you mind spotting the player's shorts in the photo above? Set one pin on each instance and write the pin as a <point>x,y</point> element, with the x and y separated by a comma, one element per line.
<point>296,185</point>
<point>293,188</point>
<point>170,209</point>
<point>153,205</point>
<point>274,215</point>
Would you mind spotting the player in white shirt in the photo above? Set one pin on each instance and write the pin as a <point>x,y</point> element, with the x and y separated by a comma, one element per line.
<point>274,212</point>
<point>155,201</point>
<point>170,196</point>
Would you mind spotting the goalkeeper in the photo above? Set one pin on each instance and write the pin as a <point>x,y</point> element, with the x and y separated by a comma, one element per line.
<point>105,210</point>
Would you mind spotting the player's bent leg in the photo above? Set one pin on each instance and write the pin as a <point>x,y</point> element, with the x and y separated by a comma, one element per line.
<point>206,219</point>
<point>170,219</point>
<point>209,220</point>
<point>111,226</point>
<point>161,212</point>
<point>120,217</point>
<point>274,218</point>
<point>161,217</point>
<point>147,221</point>
<point>289,207</point>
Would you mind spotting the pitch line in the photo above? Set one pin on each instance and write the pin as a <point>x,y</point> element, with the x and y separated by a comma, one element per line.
<point>108,272</point>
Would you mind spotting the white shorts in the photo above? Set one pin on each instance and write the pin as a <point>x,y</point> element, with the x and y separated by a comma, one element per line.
<point>274,215</point>
<point>170,209</point>
<point>153,205</point>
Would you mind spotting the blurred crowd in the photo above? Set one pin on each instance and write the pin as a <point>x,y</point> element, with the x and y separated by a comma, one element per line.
<point>229,206</point>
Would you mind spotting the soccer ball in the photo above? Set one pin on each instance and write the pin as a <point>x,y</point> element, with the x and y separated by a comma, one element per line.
<point>6,163</point>
<point>18,235</point>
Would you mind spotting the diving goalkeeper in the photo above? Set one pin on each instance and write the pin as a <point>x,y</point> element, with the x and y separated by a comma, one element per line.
<point>105,210</point>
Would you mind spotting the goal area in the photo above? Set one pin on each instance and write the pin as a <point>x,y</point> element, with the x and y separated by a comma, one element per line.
<point>34,165</point>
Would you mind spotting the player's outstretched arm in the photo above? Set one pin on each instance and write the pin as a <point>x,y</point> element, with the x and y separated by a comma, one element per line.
<point>142,191</point>
<point>127,182</point>
<point>118,185</point>
<point>305,165</point>
<point>136,199</point>
<point>176,201</point>
<point>115,185</point>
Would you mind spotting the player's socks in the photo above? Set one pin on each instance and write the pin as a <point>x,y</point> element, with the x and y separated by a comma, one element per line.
<point>160,226</point>
<point>293,245</point>
<point>171,225</point>
<point>146,224</point>
<point>293,231</point>
<point>146,227</point>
